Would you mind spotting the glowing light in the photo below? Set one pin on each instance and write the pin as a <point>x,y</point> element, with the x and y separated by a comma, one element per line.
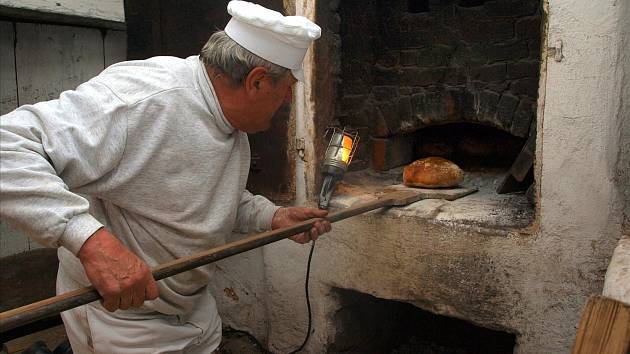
<point>346,149</point>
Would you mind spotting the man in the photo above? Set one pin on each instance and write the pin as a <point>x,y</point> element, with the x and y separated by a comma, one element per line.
<point>145,163</point>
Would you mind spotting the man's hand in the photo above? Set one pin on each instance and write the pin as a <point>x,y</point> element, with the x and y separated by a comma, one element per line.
<point>122,279</point>
<point>291,215</point>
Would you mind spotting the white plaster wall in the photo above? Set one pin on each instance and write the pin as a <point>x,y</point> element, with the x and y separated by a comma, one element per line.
<point>617,284</point>
<point>238,286</point>
<point>580,214</point>
<point>533,283</point>
<point>623,172</point>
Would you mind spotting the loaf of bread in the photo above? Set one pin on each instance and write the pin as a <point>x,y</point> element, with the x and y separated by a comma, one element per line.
<point>432,172</point>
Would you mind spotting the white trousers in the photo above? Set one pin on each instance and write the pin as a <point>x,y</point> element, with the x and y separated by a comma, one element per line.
<point>93,330</point>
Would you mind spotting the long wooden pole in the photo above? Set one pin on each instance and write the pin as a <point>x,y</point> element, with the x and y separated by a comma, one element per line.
<point>45,308</point>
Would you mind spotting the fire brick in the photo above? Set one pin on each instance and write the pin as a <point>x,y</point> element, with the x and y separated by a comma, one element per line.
<point>454,101</point>
<point>404,108</point>
<point>391,152</point>
<point>505,111</point>
<point>523,69</point>
<point>528,27</point>
<point>526,86</point>
<point>488,105</point>
<point>490,73</point>
<point>408,57</point>
<point>510,8</point>
<point>511,51</point>
<point>421,77</point>
<point>385,93</point>
<point>352,103</point>
<point>523,117</point>
<point>388,58</point>
<point>434,56</point>
<point>385,76</point>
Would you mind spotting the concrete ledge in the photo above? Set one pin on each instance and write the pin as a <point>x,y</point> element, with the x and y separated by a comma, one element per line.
<point>497,214</point>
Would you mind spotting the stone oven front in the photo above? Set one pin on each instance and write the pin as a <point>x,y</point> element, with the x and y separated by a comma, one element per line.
<point>457,79</point>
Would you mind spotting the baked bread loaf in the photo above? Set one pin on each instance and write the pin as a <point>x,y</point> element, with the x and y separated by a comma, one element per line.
<point>432,172</point>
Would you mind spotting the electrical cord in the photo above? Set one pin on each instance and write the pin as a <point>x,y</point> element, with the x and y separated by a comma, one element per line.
<point>308,300</point>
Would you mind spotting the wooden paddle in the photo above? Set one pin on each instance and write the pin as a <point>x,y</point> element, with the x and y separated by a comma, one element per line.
<point>42,309</point>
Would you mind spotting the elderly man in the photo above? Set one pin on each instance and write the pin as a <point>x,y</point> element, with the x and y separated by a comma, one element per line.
<point>148,162</point>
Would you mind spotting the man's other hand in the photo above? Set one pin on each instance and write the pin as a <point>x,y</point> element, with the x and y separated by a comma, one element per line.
<point>288,216</point>
<point>121,278</point>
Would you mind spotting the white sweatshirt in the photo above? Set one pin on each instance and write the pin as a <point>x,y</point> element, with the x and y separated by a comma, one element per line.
<point>145,150</point>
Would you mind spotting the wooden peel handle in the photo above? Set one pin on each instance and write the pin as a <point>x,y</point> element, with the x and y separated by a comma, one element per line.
<point>49,307</point>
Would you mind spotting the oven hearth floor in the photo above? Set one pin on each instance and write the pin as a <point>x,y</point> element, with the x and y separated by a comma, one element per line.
<point>483,209</point>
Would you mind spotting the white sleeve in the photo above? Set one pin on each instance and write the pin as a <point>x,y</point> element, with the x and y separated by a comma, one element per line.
<point>49,150</point>
<point>255,213</point>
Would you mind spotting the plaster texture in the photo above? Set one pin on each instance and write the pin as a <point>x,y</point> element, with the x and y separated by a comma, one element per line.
<point>532,281</point>
<point>239,288</point>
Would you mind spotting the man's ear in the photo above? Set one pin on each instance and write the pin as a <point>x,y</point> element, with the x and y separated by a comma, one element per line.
<point>254,80</point>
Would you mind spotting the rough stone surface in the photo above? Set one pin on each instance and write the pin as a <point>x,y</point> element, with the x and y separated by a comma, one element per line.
<point>392,152</point>
<point>523,117</point>
<point>444,60</point>
<point>505,110</point>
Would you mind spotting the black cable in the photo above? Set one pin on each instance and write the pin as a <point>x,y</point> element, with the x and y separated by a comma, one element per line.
<point>308,300</point>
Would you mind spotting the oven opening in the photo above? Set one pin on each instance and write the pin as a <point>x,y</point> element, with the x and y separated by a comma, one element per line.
<point>452,79</point>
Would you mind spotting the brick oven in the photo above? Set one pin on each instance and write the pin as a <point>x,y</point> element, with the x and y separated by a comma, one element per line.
<point>456,79</point>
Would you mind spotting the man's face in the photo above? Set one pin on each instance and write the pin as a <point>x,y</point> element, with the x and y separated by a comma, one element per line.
<point>269,98</point>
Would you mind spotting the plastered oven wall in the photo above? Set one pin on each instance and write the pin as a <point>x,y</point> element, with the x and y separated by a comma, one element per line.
<point>530,282</point>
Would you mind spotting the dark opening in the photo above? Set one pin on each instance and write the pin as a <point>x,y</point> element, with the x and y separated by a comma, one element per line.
<point>372,325</point>
<point>418,6</point>
<point>471,146</point>
<point>471,3</point>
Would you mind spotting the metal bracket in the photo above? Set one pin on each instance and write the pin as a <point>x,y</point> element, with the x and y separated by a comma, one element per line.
<point>556,52</point>
<point>300,146</point>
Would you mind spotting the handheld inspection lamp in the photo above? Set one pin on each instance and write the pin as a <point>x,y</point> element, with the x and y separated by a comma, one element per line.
<point>339,153</point>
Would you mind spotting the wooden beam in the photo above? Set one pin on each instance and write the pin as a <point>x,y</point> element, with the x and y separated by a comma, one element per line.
<point>30,15</point>
<point>604,327</point>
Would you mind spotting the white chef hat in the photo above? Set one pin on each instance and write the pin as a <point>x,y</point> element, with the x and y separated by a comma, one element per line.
<point>280,39</point>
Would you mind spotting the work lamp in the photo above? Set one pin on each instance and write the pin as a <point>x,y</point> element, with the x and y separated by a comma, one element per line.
<point>339,153</point>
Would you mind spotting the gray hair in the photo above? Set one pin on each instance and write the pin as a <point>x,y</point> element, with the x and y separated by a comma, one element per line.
<point>222,53</point>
